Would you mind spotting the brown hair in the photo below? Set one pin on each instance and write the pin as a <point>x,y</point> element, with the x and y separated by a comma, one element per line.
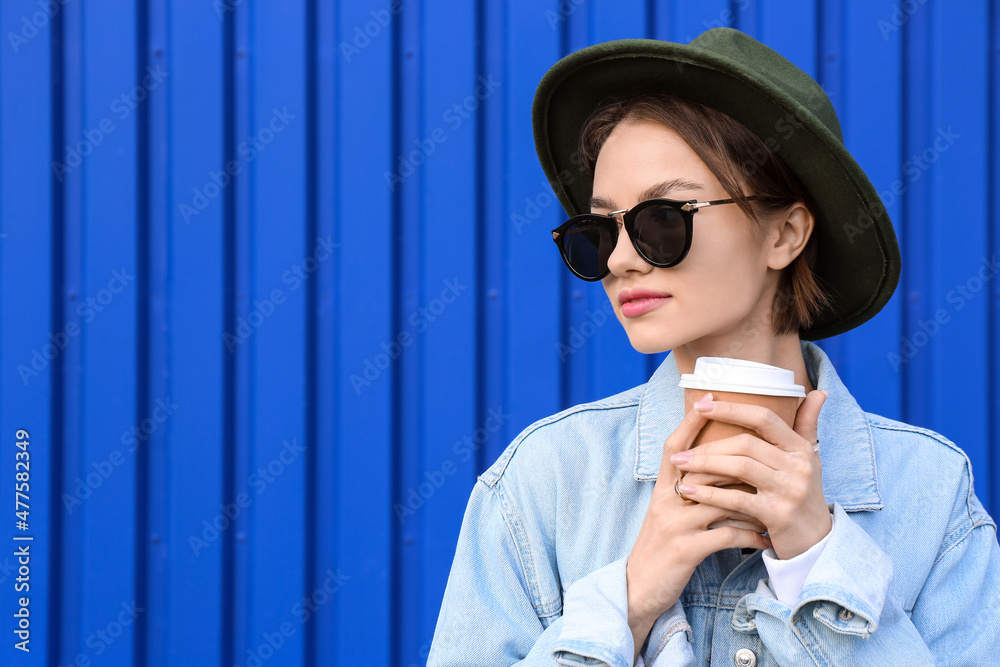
<point>739,159</point>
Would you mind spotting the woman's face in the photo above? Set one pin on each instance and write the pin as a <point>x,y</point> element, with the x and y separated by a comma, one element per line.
<point>722,282</point>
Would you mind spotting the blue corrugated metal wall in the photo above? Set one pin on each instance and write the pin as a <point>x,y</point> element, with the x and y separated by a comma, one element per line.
<point>276,283</point>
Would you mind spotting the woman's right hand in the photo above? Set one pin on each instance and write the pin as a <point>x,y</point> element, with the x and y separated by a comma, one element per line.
<point>674,539</point>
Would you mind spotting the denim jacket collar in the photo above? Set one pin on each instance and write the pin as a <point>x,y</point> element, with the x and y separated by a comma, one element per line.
<point>850,476</point>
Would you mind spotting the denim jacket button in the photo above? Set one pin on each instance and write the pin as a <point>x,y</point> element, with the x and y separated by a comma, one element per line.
<point>846,614</point>
<point>745,658</point>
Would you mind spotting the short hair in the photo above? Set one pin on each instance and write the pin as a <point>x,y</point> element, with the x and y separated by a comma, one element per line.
<point>739,159</point>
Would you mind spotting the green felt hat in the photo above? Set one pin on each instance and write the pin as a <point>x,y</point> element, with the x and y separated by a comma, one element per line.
<point>858,260</point>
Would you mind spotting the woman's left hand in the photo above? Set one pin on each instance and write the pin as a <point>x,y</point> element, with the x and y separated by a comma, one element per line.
<point>781,464</point>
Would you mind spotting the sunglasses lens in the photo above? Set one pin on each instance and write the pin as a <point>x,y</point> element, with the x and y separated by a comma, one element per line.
<point>586,246</point>
<point>660,233</point>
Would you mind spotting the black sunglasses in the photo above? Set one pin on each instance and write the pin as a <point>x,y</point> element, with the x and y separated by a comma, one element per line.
<point>660,231</point>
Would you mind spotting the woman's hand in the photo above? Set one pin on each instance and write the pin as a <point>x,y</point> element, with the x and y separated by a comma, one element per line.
<point>780,463</point>
<point>674,539</point>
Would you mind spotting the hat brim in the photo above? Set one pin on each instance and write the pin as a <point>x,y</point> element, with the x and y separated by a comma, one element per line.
<point>858,259</point>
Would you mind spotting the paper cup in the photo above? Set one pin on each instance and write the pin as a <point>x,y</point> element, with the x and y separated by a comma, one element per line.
<point>740,381</point>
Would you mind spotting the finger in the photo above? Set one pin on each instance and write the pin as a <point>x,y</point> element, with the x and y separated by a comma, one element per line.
<point>807,417</point>
<point>679,441</point>
<point>730,537</point>
<point>703,515</point>
<point>764,421</point>
<point>699,516</point>
<point>719,513</point>
<point>745,444</point>
<point>742,468</point>
<point>758,526</point>
<point>733,500</point>
<point>737,516</point>
<point>707,479</point>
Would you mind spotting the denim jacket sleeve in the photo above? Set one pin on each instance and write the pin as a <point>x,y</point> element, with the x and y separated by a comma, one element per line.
<point>845,613</point>
<point>492,614</point>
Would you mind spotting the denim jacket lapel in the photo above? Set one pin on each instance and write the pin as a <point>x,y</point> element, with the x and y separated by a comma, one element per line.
<point>850,475</point>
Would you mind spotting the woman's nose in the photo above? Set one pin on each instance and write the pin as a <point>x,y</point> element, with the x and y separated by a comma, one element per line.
<point>624,258</point>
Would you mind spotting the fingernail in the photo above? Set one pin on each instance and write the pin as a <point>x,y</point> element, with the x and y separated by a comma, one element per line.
<point>704,406</point>
<point>686,490</point>
<point>825,393</point>
<point>680,457</point>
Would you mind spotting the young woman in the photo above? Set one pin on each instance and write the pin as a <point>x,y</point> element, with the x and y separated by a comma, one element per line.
<point>711,194</point>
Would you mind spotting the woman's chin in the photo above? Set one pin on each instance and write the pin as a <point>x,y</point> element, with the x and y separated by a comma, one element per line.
<point>647,345</point>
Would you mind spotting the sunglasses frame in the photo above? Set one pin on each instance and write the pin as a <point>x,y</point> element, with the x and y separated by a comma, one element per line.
<point>687,209</point>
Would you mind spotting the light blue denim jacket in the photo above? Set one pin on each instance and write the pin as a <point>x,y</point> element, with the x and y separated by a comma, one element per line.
<point>910,575</point>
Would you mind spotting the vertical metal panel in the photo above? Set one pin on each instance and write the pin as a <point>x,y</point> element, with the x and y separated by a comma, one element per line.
<point>870,105</point>
<point>453,88</point>
<point>70,614</point>
<point>346,303</point>
<point>100,209</point>
<point>32,338</point>
<point>188,464</point>
<point>408,163</point>
<point>913,287</point>
<point>532,325</point>
<point>280,262</point>
<point>323,641</point>
<point>364,283</point>
<point>990,491</point>
<point>958,253</point>
<point>237,612</point>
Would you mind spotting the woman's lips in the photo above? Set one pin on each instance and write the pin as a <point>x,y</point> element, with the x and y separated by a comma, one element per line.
<point>636,302</point>
<point>643,306</point>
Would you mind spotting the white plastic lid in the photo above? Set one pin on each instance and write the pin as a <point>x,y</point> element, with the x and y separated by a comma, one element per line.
<point>741,376</point>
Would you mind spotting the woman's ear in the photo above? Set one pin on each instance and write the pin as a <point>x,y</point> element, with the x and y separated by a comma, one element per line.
<point>794,227</point>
